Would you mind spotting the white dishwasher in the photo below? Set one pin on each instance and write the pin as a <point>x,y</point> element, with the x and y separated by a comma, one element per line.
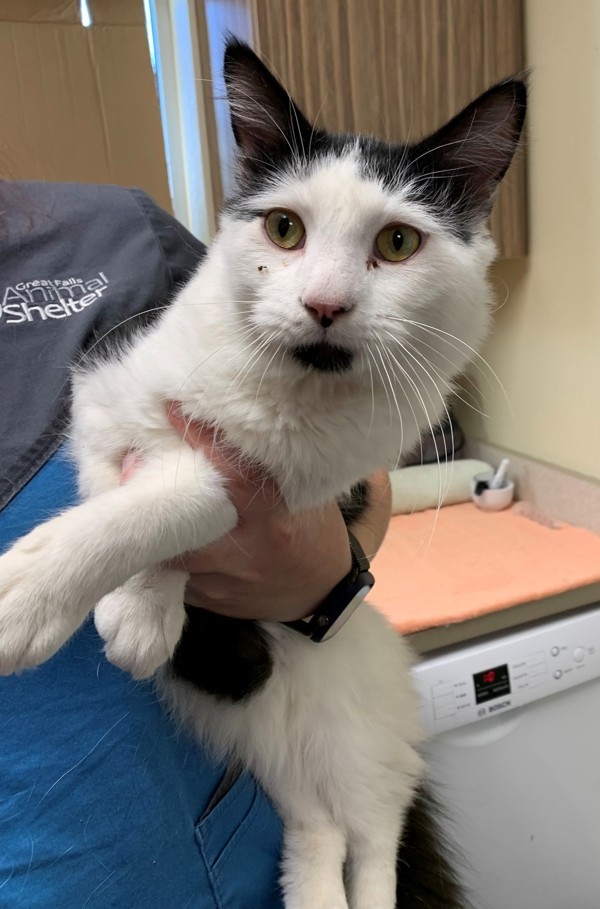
<point>515,758</point>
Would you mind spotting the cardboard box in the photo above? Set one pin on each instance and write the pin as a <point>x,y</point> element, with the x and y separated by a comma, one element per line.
<point>79,104</point>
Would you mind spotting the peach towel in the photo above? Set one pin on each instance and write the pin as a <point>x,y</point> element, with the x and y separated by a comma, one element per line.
<point>471,563</point>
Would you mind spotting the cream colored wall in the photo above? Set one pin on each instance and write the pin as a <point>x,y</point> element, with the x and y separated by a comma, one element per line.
<point>546,342</point>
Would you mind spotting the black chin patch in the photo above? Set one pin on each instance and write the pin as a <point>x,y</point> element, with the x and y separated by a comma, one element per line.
<point>324,357</point>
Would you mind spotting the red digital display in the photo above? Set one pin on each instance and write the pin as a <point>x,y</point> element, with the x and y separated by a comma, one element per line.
<point>491,683</point>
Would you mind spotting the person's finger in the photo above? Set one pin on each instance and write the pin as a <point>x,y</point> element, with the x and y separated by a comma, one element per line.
<point>228,461</point>
<point>129,465</point>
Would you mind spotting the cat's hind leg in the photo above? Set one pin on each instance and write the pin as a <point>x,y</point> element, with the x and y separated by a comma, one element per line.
<point>372,855</point>
<point>346,865</point>
<point>314,850</point>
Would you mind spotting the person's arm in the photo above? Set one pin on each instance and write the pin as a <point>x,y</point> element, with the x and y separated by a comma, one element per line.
<point>275,566</point>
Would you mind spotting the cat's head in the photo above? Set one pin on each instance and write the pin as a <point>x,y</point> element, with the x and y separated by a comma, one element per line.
<point>350,255</point>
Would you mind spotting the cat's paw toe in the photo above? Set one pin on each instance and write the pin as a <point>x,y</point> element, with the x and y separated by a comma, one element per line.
<point>34,622</point>
<point>139,641</point>
<point>23,648</point>
<point>141,656</point>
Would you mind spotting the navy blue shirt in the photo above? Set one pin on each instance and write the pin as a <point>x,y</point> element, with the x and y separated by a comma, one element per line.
<point>103,801</point>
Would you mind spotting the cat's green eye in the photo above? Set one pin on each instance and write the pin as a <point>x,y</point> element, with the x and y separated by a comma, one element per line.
<point>284,228</point>
<point>397,242</point>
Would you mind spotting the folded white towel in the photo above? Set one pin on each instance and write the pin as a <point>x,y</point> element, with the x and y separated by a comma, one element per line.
<point>421,487</point>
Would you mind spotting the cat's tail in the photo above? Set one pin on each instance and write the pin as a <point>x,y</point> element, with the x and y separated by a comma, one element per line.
<point>428,866</point>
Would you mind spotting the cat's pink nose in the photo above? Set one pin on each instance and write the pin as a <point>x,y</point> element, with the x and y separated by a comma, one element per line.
<point>325,313</point>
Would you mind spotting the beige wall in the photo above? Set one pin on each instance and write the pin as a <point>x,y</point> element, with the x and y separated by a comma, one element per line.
<point>546,341</point>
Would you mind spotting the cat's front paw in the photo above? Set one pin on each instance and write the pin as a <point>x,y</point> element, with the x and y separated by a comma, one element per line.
<point>141,622</point>
<point>36,615</point>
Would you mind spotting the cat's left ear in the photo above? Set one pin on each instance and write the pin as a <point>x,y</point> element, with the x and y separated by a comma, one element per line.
<point>266,122</point>
<point>469,155</point>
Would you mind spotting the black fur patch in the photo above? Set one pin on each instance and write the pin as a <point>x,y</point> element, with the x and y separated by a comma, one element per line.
<point>323,357</point>
<point>229,658</point>
<point>426,868</point>
<point>354,505</point>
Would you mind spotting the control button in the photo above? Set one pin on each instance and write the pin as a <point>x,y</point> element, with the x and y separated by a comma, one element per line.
<point>534,671</point>
<point>579,654</point>
<point>444,700</point>
<point>440,690</point>
<point>536,659</point>
<point>443,712</point>
<point>537,680</point>
<point>558,674</point>
<point>555,651</point>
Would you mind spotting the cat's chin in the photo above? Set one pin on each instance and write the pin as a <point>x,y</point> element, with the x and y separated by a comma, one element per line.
<point>323,357</point>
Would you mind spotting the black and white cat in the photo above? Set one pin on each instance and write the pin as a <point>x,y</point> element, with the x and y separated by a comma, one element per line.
<point>346,286</point>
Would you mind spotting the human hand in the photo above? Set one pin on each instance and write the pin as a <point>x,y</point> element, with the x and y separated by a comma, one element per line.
<point>274,565</point>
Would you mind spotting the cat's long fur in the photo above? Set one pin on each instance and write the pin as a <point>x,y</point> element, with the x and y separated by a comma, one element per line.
<point>331,731</point>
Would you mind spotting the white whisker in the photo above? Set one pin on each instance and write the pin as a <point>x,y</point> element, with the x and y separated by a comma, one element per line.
<point>447,459</point>
<point>441,334</point>
<point>391,384</point>
<point>425,411</point>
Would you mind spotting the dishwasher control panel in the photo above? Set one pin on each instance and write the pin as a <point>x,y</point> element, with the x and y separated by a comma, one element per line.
<point>481,680</point>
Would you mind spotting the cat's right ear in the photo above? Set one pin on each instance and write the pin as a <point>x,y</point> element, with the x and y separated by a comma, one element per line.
<point>466,159</point>
<point>266,123</point>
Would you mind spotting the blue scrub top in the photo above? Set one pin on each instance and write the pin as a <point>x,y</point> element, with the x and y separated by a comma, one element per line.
<point>104,804</point>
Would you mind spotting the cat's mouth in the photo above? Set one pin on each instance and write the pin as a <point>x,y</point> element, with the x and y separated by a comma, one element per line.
<point>323,357</point>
